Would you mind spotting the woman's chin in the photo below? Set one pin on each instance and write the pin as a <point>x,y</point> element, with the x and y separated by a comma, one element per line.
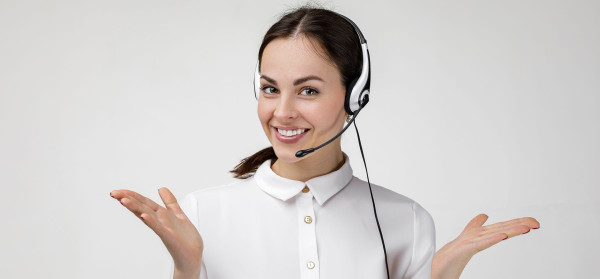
<point>287,155</point>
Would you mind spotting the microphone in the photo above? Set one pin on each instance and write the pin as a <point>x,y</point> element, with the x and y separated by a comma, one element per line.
<point>304,152</point>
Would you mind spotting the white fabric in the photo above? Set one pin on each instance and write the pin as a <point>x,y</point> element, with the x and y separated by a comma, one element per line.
<point>255,228</point>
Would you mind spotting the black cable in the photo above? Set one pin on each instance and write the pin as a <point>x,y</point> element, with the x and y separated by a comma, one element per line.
<point>372,199</point>
<point>304,152</point>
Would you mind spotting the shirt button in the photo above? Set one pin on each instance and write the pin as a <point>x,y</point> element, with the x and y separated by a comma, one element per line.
<point>308,219</point>
<point>310,265</point>
<point>305,190</point>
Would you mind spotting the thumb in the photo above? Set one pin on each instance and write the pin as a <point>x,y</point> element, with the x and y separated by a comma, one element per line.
<point>476,222</point>
<point>169,199</point>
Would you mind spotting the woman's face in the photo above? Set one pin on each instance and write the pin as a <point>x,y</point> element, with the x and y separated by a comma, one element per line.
<point>301,103</point>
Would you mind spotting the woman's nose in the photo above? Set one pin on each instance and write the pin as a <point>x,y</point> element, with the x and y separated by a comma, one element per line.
<point>286,108</point>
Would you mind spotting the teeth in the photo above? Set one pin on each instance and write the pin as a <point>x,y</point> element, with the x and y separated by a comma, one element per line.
<point>290,133</point>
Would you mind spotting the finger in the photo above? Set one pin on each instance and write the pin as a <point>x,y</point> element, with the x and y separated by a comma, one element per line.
<point>169,200</point>
<point>534,222</point>
<point>509,230</point>
<point>528,221</point>
<point>145,213</point>
<point>150,203</point>
<point>518,230</point>
<point>116,194</point>
<point>142,199</point>
<point>135,206</point>
<point>131,205</point>
<point>476,222</point>
<point>491,238</point>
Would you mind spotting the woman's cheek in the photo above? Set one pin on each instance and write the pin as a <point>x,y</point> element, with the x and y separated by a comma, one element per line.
<point>325,118</point>
<point>262,112</point>
<point>265,113</point>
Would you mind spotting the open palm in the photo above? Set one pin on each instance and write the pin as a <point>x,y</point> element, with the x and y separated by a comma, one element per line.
<point>178,234</point>
<point>450,260</point>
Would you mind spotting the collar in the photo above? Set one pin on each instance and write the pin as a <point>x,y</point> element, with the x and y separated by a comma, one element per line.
<point>322,187</point>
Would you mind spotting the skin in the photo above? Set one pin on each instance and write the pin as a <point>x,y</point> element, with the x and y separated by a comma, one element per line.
<point>318,106</point>
<point>450,260</point>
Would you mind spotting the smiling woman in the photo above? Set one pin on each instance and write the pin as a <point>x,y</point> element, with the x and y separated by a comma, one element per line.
<point>326,55</point>
<point>316,219</point>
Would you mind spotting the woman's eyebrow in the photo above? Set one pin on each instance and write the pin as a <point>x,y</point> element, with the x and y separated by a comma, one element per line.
<point>296,82</point>
<point>305,79</point>
<point>269,79</point>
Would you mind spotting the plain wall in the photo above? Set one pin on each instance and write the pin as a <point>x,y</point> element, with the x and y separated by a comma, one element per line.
<point>477,107</point>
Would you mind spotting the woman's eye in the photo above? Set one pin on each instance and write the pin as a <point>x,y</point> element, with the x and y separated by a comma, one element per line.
<point>269,89</point>
<point>309,91</point>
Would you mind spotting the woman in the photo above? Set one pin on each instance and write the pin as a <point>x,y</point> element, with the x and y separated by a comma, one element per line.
<point>265,224</point>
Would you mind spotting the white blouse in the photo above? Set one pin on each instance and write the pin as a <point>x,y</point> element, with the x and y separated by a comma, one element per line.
<point>271,227</point>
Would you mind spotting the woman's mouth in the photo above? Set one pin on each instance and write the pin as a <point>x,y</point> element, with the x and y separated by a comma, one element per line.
<point>289,135</point>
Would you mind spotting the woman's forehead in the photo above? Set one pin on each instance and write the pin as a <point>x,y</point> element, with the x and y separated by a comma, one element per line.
<point>289,58</point>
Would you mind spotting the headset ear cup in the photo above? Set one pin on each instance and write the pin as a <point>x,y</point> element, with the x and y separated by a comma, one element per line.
<point>256,81</point>
<point>348,94</point>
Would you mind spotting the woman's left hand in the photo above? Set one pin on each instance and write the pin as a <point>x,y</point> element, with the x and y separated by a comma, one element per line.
<point>450,260</point>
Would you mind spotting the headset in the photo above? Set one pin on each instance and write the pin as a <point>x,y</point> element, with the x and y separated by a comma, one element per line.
<point>357,97</point>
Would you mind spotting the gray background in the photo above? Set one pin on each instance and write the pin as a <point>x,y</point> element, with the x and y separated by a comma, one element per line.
<point>477,106</point>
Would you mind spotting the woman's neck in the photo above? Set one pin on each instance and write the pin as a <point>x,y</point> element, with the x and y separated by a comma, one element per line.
<point>310,167</point>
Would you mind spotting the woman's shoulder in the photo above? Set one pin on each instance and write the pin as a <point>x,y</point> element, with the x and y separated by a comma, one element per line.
<point>216,196</point>
<point>223,189</point>
<point>382,192</point>
<point>391,198</point>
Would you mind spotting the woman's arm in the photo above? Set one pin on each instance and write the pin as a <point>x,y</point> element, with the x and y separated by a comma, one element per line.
<point>423,244</point>
<point>450,261</point>
<point>179,235</point>
<point>193,274</point>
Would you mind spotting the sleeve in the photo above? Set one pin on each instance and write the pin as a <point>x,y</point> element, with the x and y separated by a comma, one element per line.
<point>423,244</point>
<point>189,206</point>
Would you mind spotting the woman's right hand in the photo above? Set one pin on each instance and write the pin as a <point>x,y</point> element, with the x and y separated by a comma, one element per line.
<point>173,227</point>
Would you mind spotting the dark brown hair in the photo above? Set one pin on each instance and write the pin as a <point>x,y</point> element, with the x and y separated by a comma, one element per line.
<point>334,36</point>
